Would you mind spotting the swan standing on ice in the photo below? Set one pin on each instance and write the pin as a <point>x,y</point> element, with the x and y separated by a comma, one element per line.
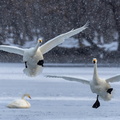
<point>33,57</point>
<point>21,103</point>
<point>99,86</point>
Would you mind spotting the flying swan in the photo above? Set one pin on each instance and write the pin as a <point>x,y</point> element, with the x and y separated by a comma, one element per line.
<point>99,86</point>
<point>33,57</point>
<point>20,103</point>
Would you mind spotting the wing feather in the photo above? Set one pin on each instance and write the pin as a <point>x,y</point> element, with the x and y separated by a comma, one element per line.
<point>60,39</point>
<point>71,79</point>
<point>114,79</point>
<point>12,49</point>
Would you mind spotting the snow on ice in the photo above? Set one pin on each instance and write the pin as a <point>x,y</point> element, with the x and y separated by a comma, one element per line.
<point>55,98</point>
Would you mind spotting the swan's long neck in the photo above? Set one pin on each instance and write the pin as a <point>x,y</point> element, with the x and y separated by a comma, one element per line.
<point>36,47</point>
<point>23,96</point>
<point>26,95</point>
<point>95,75</point>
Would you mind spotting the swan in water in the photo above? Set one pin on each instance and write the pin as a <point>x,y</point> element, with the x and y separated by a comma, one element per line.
<point>33,57</point>
<point>20,103</point>
<point>99,86</point>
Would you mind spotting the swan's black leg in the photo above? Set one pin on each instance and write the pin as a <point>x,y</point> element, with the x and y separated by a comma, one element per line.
<point>97,103</point>
<point>109,90</point>
<point>26,64</point>
<point>40,62</point>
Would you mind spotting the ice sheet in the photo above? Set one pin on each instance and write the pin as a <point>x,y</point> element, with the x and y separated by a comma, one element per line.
<point>53,98</point>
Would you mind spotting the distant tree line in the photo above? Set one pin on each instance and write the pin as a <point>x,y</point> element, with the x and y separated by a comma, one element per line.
<point>25,20</point>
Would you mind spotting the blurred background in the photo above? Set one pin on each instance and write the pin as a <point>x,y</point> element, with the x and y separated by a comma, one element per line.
<point>22,22</point>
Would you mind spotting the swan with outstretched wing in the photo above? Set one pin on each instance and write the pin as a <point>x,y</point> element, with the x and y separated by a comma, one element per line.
<point>33,57</point>
<point>99,86</point>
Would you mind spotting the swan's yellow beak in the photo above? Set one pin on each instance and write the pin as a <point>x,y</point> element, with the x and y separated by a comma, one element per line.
<point>29,97</point>
<point>40,41</point>
<point>94,60</point>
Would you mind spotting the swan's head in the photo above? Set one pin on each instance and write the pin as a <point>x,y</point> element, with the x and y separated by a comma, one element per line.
<point>40,40</point>
<point>94,60</point>
<point>26,95</point>
<point>29,96</point>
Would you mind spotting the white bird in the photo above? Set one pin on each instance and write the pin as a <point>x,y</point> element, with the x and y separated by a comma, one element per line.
<point>33,57</point>
<point>99,86</point>
<point>20,103</point>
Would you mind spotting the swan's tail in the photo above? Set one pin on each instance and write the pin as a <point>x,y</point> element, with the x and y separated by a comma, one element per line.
<point>33,72</point>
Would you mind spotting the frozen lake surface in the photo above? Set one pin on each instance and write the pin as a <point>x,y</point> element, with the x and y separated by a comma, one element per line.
<point>55,98</point>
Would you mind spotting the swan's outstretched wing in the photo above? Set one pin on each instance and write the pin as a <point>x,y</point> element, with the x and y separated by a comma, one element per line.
<point>71,79</point>
<point>12,49</point>
<point>114,79</point>
<point>60,39</point>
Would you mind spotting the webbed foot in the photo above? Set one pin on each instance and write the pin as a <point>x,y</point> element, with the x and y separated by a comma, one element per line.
<point>109,90</point>
<point>25,64</point>
<point>40,62</point>
<point>97,103</point>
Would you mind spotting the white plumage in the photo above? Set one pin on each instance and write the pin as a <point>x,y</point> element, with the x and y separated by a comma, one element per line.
<point>20,103</point>
<point>33,57</point>
<point>99,86</point>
